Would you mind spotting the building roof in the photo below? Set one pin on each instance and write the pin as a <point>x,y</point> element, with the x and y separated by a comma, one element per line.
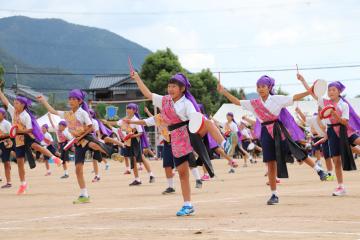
<point>22,90</point>
<point>108,81</point>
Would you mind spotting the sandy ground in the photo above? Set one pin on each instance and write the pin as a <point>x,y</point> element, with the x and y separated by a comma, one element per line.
<point>231,206</point>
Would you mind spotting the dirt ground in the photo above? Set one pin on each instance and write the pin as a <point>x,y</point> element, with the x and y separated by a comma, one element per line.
<point>231,206</point>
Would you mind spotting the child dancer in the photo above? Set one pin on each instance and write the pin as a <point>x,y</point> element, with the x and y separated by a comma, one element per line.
<point>47,142</point>
<point>276,126</point>
<point>80,126</point>
<point>63,137</point>
<point>28,136</point>
<point>6,146</point>
<point>342,132</point>
<point>176,109</point>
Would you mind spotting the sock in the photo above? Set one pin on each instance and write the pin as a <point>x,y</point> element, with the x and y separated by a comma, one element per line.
<point>66,172</point>
<point>49,171</point>
<point>274,193</point>
<point>223,144</point>
<point>23,183</point>
<point>98,176</point>
<point>317,168</point>
<point>84,192</point>
<point>196,173</point>
<point>170,182</point>
<point>151,174</point>
<point>137,179</point>
<point>341,185</point>
<point>187,203</point>
<point>107,164</point>
<point>330,173</point>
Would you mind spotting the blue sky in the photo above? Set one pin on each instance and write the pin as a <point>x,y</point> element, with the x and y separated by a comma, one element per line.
<point>228,35</point>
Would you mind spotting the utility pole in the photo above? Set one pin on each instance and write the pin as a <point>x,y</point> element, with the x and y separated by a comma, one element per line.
<point>16,79</point>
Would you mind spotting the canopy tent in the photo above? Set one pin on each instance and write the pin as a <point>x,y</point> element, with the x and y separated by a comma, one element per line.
<point>45,120</point>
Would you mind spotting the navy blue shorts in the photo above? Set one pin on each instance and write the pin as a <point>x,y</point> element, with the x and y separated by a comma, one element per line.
<point>245,144</point>
<point>96,155</point>
<point>181,160</point>
<point>52,149</point>
<point>326,149</point>
<point>268,145</point>
<point>5,155</point>
<point>64,155</point>
<point>334,142</point>
<point>317,147</point>
<point>352,139</point>
<point>168,159</point>
<point>80,153</point>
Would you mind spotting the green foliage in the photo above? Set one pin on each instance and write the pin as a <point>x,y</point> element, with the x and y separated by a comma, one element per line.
<point>279,91</point>
<point>101,110</point>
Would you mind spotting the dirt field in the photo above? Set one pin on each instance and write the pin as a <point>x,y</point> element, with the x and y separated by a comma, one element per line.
<point>232,206</point>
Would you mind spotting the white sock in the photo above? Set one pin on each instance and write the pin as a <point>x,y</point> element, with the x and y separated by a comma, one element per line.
<point>341,185</point>
<point>196,173</point>
<point>66,172</point>
<point>170,182</point>
<point>187,203</point>
<point>137,179</point>
<point>274,193</point>
<point>84,192</point>
<point>49,171</point>
<point>317,168</point>
<point>23,183</point>
<point>107,164</point>
<point>98,176</point>
<point>151,174</point>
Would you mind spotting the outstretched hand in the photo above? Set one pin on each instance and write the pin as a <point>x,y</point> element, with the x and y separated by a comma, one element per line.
<point>41,98</point>
<point>300,77</point>
<point>220,88</point>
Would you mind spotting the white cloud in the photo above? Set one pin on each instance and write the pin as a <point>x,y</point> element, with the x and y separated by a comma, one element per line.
<point>196,61</point>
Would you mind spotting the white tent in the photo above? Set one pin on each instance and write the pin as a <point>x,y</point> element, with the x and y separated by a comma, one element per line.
<point>308,108</point>
<point>45,120</point>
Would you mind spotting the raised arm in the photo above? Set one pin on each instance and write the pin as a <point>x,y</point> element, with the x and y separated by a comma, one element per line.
<point>228,95</point>
<point>143,88</point>
<point>4,99</point>
<point>137,122</point>
<point>306,85</point>
<point>300,96</point>
<point>249,120</point>
<point>43,101</point>
<point>51,121</point>
<point>146,110</point>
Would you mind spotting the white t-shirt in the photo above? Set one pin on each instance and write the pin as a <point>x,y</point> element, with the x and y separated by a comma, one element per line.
<point>183,107</point>
<point>233,127</point>
<point>343,107</point>
<point>5,126</point>
<point>81,115</point>
<point>313,123</point>
<point>24,117</point>
<point>49,138</point>
<point>274,103</point>
<point>133,126</point>
<point>95,125</point>
<point>149,121</point>
<point>246,133</point>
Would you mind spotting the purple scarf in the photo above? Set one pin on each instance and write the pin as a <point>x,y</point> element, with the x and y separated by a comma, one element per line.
<point>285,117</point>
<point>36,131</point>
<point>181,78</point>
<point>143,138</point>
<point>80,95</point>
<point>103,130</point>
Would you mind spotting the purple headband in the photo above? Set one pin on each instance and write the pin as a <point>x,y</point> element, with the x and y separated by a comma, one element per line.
<point>80,95</point>
<point>63,123</point>
<point>181,78</point>
<point>341,87</point>
<point>45,126</point>
<point>35,126</point>
<point>143,138</point>
<point>3,111</point>
<point>133,106</point>
<point>268,81</point>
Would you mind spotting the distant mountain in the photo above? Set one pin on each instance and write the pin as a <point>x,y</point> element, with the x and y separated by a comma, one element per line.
<point>53,45</point>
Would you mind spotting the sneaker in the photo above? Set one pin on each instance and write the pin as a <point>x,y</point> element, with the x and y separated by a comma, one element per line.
<point>322,174</point>
<point>233,164</point>
<point>107,167</point>
<point>205,178</point>
<point>152,179</point>
<point>8,185</point>
<point>330,177</point>
<point>232,170</point>
<point>198,184</point>
<point>0,179</point>
<point>127,172</point>
<point>96,179</point>
<point>339,191</point>
<point>185,211</point>
<point>48,174</point>
<point>273,200</point>
<point>277,182</point>
<point>64,176</point>
<point>22,189</point>
<point>56,160</point>
<point>135,183</point>
<point>169,190</point>
<point>82,199</point>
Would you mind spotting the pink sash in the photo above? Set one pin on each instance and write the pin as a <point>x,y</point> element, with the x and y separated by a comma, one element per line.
<point>334,121</point>
<point>180,141</point>
<point>264,114</point>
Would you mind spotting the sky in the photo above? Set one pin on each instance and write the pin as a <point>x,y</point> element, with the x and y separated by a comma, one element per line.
<point>230,36</point>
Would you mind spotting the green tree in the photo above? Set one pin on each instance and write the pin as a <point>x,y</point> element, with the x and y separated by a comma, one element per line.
<point>279,91</point>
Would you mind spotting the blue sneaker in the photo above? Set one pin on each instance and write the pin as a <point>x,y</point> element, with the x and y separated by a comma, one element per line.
<point>185,211</point>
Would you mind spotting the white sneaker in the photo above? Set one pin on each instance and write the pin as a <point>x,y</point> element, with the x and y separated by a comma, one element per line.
<point>339,191</point>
